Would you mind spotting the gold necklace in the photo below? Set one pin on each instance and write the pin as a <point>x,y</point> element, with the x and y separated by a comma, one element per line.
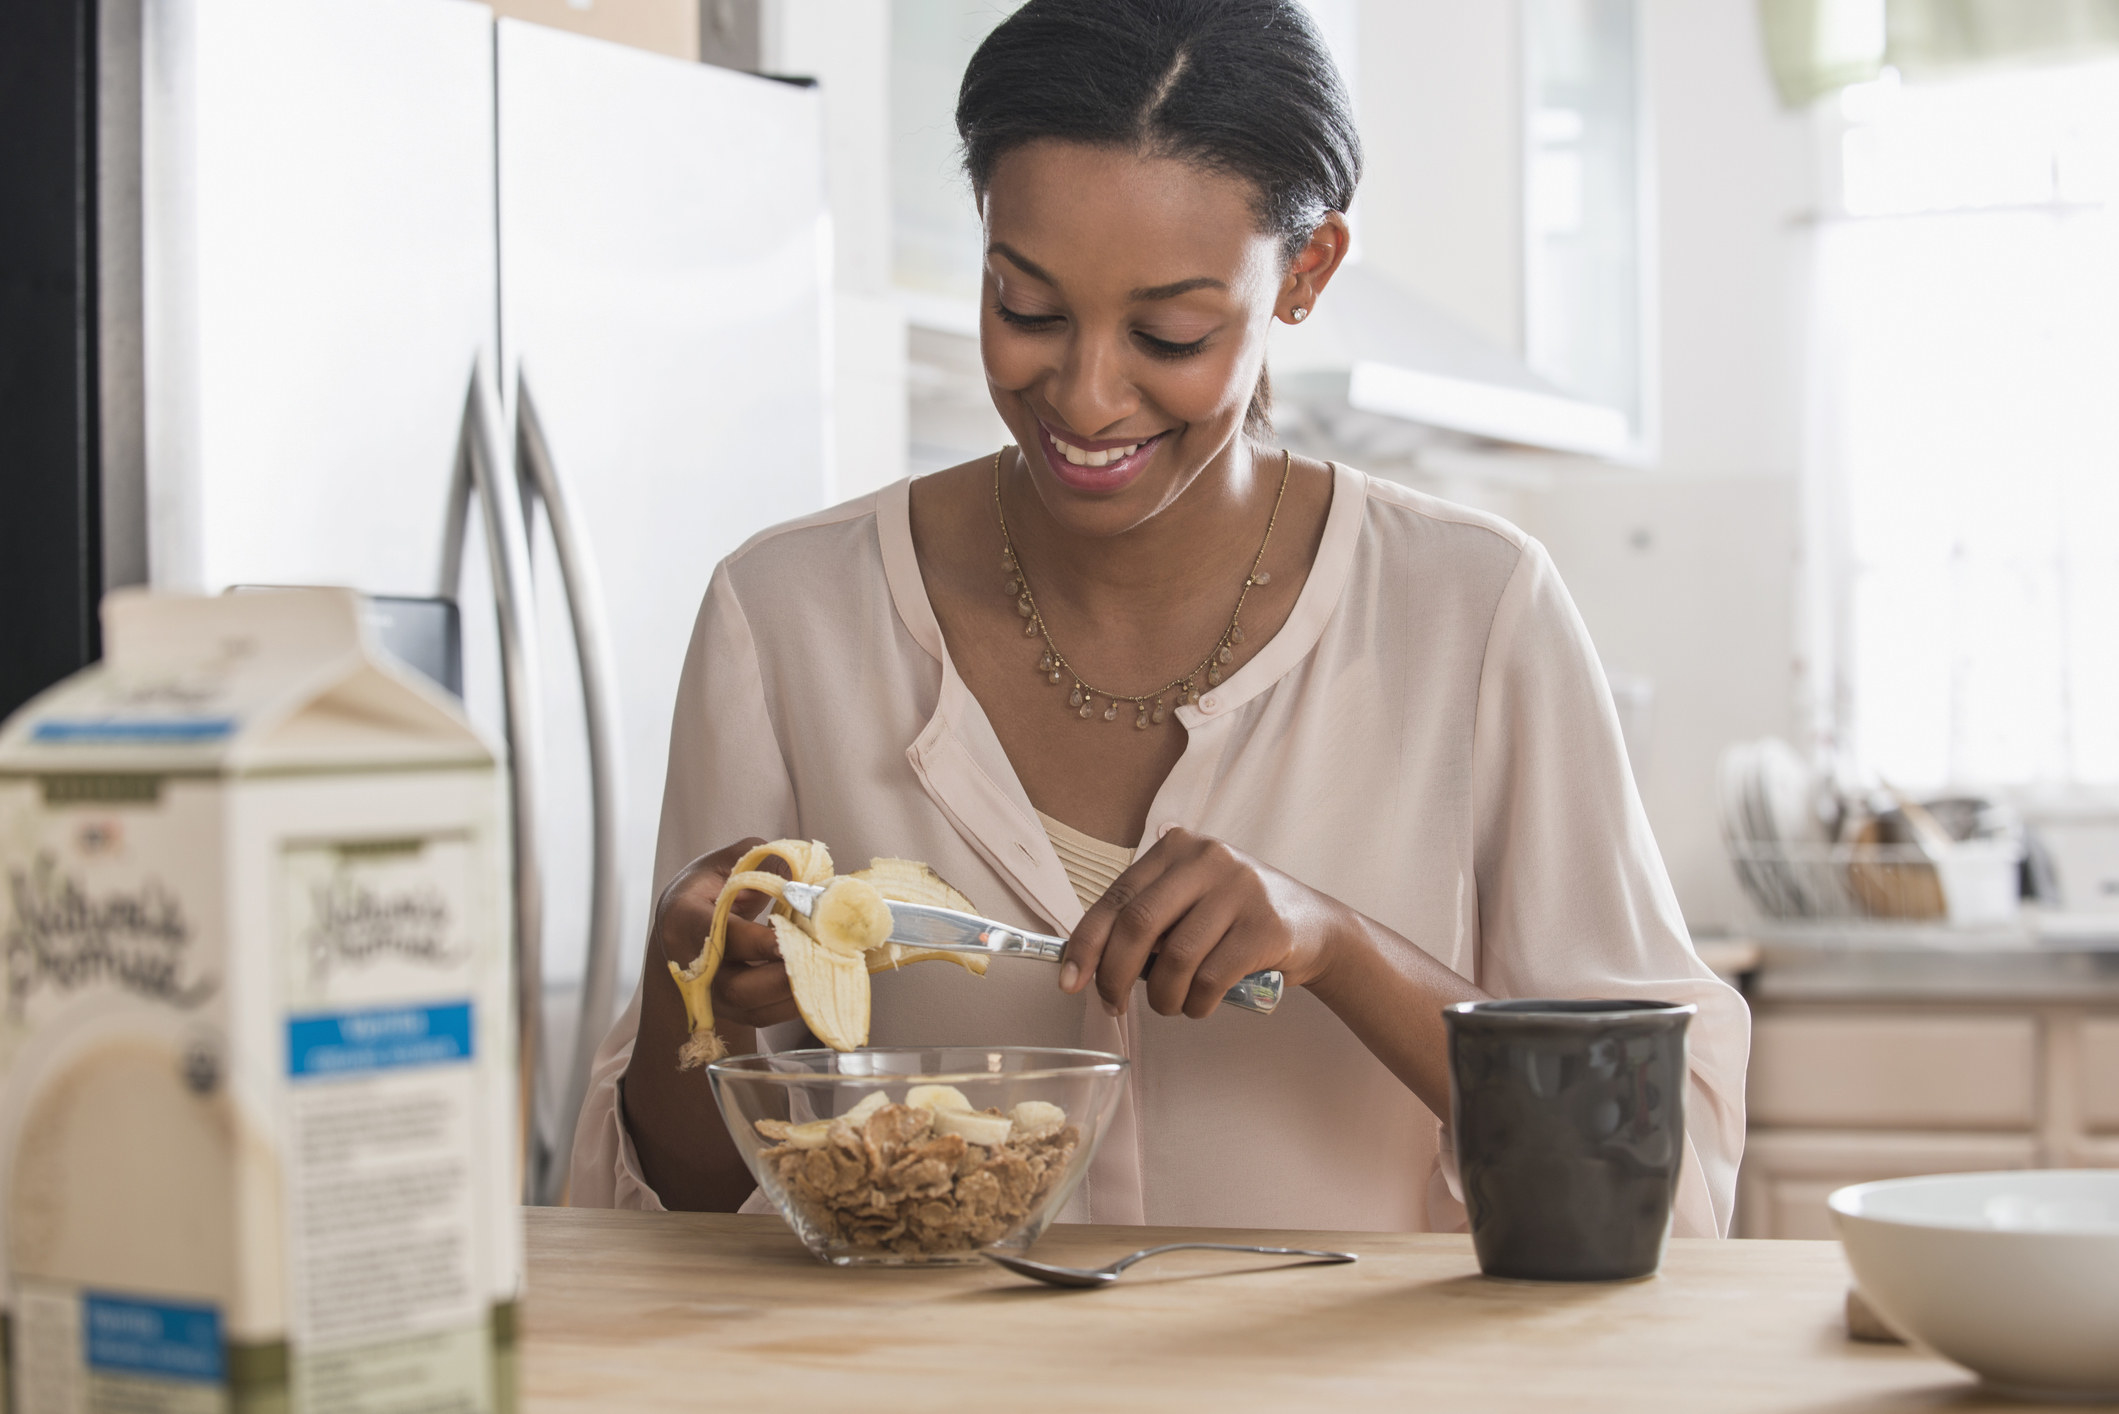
<point>1149,707</point>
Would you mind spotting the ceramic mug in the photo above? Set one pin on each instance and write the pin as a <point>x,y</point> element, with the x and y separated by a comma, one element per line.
<point>1569,1120</point>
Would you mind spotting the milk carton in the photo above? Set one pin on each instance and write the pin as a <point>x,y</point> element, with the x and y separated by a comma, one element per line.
<point>257,1109</point>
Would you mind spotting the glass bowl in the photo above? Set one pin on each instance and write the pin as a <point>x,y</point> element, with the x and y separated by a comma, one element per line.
<point>911,1156</point>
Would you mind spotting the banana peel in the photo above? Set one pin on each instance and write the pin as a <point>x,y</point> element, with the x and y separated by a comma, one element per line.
<point>830,955</point>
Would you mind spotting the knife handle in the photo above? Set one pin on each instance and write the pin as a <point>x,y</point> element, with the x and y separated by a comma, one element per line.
<point>1259,992</point>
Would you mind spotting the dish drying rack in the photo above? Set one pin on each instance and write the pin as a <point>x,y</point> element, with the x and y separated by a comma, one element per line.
<point>1799,878</point>
<point>1971,884</point>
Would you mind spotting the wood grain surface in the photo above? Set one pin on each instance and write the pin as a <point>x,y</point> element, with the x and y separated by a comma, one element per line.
<point>637,1311</point>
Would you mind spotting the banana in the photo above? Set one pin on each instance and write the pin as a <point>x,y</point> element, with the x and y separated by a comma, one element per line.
<point>1036,1118</point>
<point>989,1130</point>
<point>830,955</point>
<point>937,1097</point>
<point>811,1135</point>
<point>858,1115</point>
<point>909,881</point>
<point>953,1115</point>
<point>830,986</point>
<point>850,917</point>
<point>806,860</point>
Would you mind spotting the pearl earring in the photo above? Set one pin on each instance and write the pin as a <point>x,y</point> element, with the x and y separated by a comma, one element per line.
<point>1298,314</point>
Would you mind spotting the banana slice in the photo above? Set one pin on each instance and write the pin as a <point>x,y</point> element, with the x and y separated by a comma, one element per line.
<point>937,1097</point>
<point>811,1135</point>
<point>830,954</point>
<point>989,1130</point>
<point>1034,1119</point>
<point>858,1115</point>
<point>850,917</point>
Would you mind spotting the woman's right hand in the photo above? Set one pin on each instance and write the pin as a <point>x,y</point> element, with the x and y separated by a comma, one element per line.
<point>750,989</point>
<point>684,1150</point>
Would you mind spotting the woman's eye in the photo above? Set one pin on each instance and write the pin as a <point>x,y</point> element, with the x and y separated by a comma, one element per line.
<point>1024,321</point>
<point>1163,348</point>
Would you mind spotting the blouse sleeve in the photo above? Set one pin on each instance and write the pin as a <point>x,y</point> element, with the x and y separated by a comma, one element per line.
<point>727,780</point>
<point>1573,897</point>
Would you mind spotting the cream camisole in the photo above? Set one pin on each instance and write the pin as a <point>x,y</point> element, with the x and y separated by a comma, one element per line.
<point>1091,863</point>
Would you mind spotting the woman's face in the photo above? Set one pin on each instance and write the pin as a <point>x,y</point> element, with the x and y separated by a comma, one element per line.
<point>1125,308</point>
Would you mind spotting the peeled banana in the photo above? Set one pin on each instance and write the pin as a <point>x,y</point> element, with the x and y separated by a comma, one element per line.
<point>830,954</point>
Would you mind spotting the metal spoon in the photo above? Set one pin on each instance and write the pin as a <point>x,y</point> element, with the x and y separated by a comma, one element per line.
<point>1104,1276</point>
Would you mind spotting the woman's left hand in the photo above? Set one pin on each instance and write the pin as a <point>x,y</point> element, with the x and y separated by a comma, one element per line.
<point>1196,916</point>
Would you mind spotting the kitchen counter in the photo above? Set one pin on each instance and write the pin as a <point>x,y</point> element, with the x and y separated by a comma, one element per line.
<point>2053,959</point>
<point>688,1311</point>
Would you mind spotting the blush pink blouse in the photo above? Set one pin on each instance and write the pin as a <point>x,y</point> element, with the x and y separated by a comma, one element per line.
<point>1428,739</point>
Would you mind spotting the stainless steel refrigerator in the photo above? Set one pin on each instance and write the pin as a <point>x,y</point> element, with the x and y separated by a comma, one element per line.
<point>437,305</point>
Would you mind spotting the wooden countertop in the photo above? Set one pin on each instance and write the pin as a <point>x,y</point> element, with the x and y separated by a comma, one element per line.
<point>636,1311</point>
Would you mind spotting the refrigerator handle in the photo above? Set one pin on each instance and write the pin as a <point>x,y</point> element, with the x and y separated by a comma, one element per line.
<point>599,701</point>
<point>482,472</point>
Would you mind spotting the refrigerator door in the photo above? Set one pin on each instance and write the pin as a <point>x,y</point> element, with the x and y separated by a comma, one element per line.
<point>319,277</point>
<point>664,250</point>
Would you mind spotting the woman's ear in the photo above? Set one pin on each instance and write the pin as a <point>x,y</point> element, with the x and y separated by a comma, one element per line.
<point>1313,267</point>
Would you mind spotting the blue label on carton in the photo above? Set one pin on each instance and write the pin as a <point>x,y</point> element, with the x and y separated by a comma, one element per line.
<point>104,729</point>
<point>158,1339</point>
<point>385,1038</point>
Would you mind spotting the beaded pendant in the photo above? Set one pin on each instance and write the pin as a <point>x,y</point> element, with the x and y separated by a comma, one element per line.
<point>1149,709</point>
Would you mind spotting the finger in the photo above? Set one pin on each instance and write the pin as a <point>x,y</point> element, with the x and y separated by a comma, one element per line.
<point>686,909</point>
<point>772,1016</point>
<point>685,924</point>
<point>756,990</point>
<point>750,942</point>
<point>1138,929</point>
<point>1188,945</point>
<point>1243,949</point>
<point>760,1017</point>
<point>1084,953</point>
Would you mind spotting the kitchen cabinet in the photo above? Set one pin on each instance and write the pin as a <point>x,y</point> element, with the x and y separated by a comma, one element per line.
<point>2099,1068</point>
<point>1888,1064</point>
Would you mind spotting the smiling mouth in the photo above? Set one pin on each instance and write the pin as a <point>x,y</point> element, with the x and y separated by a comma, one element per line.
<point>1082,456</point>
<point>1099,470</point>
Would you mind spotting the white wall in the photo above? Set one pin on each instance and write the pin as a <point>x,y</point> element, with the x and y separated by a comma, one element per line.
<point>1685,571</point>
<point>1735,174</point>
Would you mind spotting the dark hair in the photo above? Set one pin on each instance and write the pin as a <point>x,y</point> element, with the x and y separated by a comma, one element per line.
<point>1245,88</point>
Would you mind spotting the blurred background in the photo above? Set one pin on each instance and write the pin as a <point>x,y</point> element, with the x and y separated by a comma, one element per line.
<point>1790,326</point>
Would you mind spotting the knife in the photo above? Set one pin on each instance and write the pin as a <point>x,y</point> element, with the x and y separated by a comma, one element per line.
<point>920,925</point>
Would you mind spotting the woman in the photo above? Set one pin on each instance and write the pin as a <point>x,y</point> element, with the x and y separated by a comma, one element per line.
<point>1145,679</point>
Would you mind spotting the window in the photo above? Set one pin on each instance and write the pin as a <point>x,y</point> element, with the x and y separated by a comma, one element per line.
<point>1968,326</point>
<point>1585,283</point>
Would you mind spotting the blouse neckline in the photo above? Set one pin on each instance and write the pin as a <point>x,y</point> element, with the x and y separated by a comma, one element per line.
<point>958,757</point>
<point>1274,659</point>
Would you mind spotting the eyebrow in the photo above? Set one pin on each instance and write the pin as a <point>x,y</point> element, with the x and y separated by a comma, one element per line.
<point>1142,296</point>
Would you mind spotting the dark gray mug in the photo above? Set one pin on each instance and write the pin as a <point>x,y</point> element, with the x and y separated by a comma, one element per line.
<point>1569,1119</point>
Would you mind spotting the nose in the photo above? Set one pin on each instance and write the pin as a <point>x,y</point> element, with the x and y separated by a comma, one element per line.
<point>1090,389</point>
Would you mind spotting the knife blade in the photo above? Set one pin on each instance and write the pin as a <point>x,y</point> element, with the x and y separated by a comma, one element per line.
<point>920,925</point>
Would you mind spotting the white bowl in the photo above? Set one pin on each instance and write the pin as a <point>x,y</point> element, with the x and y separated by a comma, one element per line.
<point>2013,1275</point>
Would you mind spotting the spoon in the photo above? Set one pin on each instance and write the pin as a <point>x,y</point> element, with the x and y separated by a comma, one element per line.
<point>1104,1276</point>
